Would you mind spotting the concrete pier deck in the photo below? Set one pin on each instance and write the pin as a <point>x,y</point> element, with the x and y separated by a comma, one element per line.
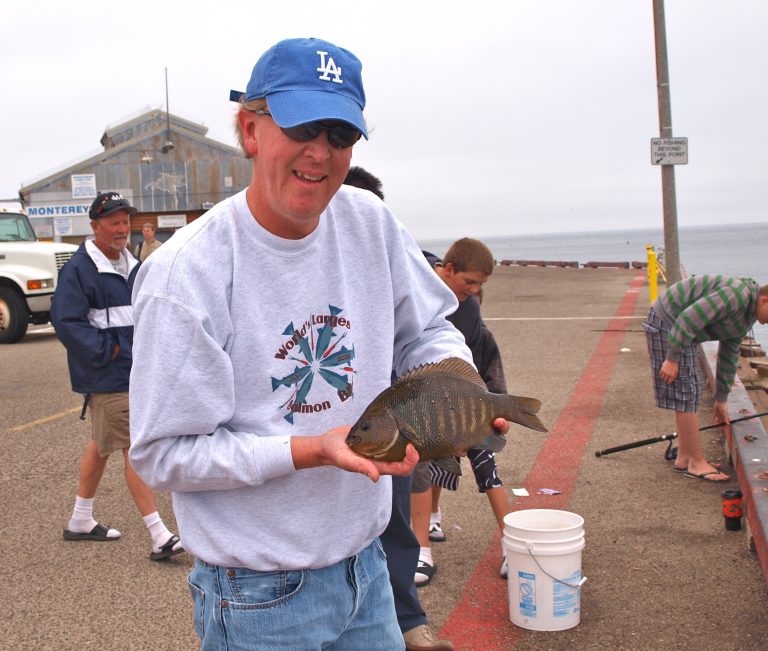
<point>663,573</point>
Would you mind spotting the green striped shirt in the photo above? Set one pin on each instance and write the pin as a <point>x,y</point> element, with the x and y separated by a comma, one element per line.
<point>710,308</point>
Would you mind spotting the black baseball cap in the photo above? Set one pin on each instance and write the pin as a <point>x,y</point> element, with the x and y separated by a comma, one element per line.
<point>106,203</point>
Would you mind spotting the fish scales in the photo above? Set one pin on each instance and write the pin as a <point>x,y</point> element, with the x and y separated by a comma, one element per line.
<point>441,408</point>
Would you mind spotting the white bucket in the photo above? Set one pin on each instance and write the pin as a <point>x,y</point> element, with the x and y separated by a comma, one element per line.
<point>543,549</point>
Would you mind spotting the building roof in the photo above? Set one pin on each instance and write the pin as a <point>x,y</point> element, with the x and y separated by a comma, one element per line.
<point>144,134</point>
<point>161,162</point>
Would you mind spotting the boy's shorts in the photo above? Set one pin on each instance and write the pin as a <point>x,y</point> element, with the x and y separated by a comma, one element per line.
<point>684,394</point>
<point>483,466</point>
<point>422,478</point>
<point>109,422</point>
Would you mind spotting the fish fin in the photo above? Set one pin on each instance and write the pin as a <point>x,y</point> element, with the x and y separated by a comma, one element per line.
<point>452,365</point>
<point>528,405</point>
<point>449,464</point>
<point>527,408</point>
<point>493,442</point>
<point>408,436</point>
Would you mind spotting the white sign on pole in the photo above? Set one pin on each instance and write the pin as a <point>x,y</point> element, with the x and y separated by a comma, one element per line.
<point>669,151</point>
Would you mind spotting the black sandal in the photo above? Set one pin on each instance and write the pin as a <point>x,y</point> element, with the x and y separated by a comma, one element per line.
<point>99,532</point>
<point>425,569</point>
<point>167,550</point>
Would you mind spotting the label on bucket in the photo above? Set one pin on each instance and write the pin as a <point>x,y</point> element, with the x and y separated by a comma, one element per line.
<point>565,599</point>
<point>526,585</point>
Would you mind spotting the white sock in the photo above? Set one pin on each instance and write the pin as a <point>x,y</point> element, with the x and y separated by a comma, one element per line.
<point>434,517</point>
<point>425,554</point>
<point>82,520</point>
<point>158,531</point>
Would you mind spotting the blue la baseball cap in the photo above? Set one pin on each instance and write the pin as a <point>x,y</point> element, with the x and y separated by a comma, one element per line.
<point>308,79</point>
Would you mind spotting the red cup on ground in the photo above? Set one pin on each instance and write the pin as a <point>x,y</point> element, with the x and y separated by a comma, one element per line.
<point>732,509</point>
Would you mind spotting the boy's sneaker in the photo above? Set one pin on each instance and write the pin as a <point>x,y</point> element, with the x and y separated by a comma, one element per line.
<point>436,533</point>
<point>504,571</point>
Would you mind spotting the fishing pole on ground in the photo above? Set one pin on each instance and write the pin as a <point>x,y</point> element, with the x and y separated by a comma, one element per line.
<point>668,455</point>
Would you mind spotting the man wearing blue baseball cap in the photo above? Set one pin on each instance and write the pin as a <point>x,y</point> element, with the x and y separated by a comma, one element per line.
<point>263,330</point>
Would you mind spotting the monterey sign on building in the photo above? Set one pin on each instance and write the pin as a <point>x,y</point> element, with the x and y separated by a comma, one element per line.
<point>61,210</point>
<point>64,219</point>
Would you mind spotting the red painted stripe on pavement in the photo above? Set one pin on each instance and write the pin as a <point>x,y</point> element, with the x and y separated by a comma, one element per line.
<point>481,618</point>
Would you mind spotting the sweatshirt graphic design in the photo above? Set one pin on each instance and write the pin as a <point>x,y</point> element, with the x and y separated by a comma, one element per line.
<point>321,354</point>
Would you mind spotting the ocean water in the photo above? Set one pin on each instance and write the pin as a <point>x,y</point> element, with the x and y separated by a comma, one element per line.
<point>735,250</point>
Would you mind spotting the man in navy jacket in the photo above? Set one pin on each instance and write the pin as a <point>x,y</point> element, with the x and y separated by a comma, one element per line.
<point>93,318</point>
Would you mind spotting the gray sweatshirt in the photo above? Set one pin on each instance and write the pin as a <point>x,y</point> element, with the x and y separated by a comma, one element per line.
<point>244,339</point>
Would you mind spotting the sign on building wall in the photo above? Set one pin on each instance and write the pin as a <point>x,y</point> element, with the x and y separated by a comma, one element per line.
<point>62,225</point>
<point>171,221</point>
<point>63,219</point>
<point>83,186</point>
<point>58,210</point>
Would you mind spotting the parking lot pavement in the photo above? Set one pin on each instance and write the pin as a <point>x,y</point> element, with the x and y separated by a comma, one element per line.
<point>663,573</point>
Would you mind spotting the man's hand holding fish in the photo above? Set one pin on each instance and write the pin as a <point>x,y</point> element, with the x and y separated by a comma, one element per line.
<point>331,449</point>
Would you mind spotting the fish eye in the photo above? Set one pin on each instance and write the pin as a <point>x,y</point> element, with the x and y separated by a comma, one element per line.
<point>365,426</point>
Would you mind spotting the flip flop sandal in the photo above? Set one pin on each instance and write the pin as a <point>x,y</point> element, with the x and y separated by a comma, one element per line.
<point>167,550</point>
<point>704,476</point>
<point>99,532</point>
<point>684,471</point>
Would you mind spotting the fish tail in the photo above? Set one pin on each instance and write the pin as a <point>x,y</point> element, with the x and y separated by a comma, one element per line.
<point>525,413</point>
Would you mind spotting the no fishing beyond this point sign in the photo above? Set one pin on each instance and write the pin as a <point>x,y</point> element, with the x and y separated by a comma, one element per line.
<point>669,151</point>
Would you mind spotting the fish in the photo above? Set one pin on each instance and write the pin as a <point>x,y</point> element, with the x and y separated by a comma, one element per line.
<point>441,408</point>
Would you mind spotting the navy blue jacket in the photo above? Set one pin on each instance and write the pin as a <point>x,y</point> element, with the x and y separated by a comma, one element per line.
<point>92,313</point>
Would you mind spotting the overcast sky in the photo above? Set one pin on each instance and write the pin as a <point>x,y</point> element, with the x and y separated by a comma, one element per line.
<point>487,118</point>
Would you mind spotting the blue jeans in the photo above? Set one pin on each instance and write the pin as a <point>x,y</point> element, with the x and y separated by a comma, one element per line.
<point>345,607</point>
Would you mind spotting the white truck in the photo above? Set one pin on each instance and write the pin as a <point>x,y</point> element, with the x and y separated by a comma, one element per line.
<point>29,270</point>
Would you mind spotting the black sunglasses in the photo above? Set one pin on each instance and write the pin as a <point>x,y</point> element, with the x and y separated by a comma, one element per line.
<point>340,136</point>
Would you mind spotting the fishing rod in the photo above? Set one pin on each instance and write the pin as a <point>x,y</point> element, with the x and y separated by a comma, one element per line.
<point>670,437</point>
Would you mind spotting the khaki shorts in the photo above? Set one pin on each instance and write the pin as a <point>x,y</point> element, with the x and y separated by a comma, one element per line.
<point>109,422</point>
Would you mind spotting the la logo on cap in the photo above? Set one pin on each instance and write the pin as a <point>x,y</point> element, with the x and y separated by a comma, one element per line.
<point>328,67</point>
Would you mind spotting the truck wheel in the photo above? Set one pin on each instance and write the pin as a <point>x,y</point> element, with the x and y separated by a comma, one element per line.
<point>13,316</point>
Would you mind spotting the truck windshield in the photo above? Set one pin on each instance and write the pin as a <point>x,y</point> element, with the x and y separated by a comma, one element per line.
<point>15,228</point>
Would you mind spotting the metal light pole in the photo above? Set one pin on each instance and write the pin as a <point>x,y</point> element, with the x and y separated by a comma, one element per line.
<point>168,144</point>
<point>669,200</point>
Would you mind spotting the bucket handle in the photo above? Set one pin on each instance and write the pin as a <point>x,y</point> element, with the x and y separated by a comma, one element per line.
<point>570,585</point>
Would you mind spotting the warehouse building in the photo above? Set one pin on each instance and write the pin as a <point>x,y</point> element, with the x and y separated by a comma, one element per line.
<point>162,163</point>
